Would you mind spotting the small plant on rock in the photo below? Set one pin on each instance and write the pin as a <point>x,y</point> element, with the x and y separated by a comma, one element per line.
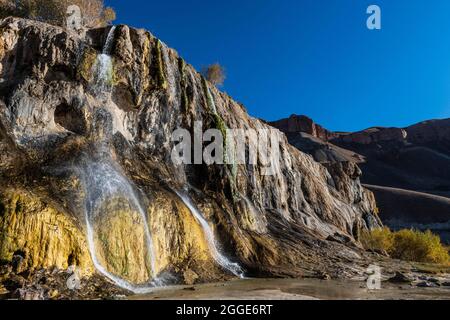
<point>215,74</point>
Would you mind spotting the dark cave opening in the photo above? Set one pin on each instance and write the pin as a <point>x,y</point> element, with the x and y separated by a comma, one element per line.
<point>70,118</point>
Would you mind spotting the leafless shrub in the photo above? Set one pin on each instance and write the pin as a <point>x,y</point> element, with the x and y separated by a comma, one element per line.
<point>215,74</point>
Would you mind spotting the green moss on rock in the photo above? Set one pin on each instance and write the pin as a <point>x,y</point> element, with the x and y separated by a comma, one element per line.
<point>220,124</point>
<point>161,76</point>
<point>184,97</point>
<point>86,64</point>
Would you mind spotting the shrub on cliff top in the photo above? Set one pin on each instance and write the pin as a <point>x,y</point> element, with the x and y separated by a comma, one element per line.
<point>408,245</point>
<point>94,13</point>
<point>215,74</point>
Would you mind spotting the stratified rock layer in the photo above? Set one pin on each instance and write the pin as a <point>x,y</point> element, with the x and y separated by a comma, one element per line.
<point>54,114</point>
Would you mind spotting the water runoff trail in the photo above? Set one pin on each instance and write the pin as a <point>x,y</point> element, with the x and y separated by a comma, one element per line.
<point>221,259</point>
<point>103,180</point>
<point>103,68</point>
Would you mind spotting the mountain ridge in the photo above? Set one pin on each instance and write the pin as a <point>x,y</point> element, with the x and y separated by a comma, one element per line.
<point>400,165</point>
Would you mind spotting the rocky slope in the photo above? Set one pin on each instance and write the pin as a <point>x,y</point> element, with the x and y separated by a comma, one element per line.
<point>406,168</point>
<point>295,124</point>
<point>87,178</point>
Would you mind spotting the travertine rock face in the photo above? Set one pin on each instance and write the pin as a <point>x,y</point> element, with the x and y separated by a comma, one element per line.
<point>39,235</point>
<point>66,102</point>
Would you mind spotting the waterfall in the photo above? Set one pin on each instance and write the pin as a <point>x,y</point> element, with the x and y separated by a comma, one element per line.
<point>109,196</point>
<point>109,41</point>
<point>212,103</point>
<point>103,182</point>
<point>223,261</point>
<point>103,67</point>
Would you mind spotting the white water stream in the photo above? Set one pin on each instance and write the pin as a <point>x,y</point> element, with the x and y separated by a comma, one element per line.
<point>103,182</point>
<point>103,68</point>
<point>223,261</point>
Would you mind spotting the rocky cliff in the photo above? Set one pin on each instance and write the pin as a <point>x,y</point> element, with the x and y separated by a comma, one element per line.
<point>87,177</point>
<point>300,123</point>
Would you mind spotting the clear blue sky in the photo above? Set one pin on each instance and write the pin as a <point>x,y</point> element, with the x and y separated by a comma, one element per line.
<point>314,57</point>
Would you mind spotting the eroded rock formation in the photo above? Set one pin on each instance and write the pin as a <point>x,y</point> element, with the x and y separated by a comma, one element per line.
<point>85,127</point>
<point>300,123</point>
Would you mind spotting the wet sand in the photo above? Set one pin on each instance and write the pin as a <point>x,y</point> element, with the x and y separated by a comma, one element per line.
<point>295,289</point>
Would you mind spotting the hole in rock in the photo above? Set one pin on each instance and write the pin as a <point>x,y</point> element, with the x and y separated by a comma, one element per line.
<point>59,73</point>
<point>70,118</point>
<point>19,253</point>
<point>72,260</point>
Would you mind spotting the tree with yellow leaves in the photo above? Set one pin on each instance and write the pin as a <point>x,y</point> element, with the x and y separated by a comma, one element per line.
<point>94,13</point>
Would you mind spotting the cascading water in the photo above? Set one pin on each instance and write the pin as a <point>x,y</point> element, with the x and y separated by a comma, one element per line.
<point>102,86</point>
<point>223,261</point>
<point>212,103</point>
<point>111,203</point>
<point>103,182</point>
<point>108,190</point>
<point>103,68</point>
<point>109,41</point>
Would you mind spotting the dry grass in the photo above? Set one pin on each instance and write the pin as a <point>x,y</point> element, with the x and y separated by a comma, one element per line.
<point>408,245</point>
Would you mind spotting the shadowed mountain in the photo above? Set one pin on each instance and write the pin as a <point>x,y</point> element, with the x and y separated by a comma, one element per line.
<point>401,208</point>
<point>415,158</point>
<point>406,168</point>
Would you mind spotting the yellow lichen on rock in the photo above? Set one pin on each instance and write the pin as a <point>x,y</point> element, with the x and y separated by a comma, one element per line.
<point>121,243</point>
<point>87,61</point>
<point>2,48</point>
<point>179,239</point>
<point>44,236</point>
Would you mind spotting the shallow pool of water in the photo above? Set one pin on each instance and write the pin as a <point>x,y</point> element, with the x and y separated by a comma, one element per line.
<point>294,289</point>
